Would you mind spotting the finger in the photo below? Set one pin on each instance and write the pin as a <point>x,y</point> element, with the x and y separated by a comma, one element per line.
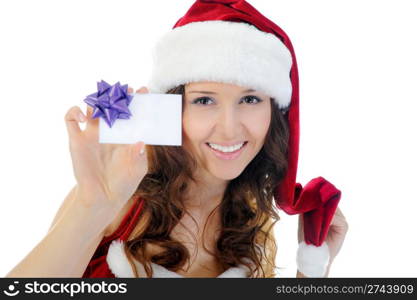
<point>92,124</point>
<point>136,148</point>
<point>141,149</point>
<point>143,90</point>
<point>89,111</point>
<point>339,221</point>
<point>339,212</point>
<point>138,156</point>
<point>130,90</point>
<point>72,117</point>
<point>339,215</point>
<point>300,228</point>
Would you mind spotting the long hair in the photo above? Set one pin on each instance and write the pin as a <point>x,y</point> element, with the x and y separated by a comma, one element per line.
<point>247,210</point>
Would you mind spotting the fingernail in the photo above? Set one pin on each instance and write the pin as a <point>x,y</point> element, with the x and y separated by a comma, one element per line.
<point>81,117</point>
<point>142,150</point>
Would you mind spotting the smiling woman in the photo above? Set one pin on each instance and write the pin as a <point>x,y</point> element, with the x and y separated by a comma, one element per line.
<point>206,208</point>
<point>212,208</point>
<point>239,152</point>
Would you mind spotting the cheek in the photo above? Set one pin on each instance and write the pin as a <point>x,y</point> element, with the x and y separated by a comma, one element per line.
<point>258,123</point>
<point>195,129</point>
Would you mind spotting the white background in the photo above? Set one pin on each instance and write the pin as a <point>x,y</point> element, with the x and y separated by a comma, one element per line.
<point>357,64</point>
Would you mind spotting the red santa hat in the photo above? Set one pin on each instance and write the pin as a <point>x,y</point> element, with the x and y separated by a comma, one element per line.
<point>230,41</point>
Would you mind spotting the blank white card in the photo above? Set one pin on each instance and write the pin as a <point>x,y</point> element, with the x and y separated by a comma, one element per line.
<point>156,119</point>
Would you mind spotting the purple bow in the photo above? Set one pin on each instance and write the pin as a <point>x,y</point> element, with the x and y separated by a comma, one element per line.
<point>110,102</point>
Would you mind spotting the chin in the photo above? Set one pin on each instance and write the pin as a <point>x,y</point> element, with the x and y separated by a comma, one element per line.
<point>226,174</point>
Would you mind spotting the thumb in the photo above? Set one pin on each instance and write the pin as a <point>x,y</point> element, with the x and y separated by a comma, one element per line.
<point>138,163</point>
<point>139,148</point>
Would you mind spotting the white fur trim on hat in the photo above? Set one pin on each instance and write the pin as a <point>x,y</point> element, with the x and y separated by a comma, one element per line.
<point>312,261</point>
<point>222,51</point>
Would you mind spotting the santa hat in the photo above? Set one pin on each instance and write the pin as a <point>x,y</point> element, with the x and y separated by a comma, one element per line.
<point>230,41</point>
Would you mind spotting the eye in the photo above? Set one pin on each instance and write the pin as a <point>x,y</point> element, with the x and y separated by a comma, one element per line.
<point>247,99</point>
<point>251,98</point>
<point>199,100</point>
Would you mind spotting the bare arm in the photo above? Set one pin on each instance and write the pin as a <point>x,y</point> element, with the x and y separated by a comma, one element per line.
<point>69,199</point>
<point>67,248</point>
<point>111,228</point>
<point>107,176</point>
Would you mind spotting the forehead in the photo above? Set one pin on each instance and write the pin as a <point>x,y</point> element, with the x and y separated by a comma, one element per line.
<point>220,87</point>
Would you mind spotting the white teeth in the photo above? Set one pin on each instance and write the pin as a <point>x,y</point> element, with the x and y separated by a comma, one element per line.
<point>226,149</point>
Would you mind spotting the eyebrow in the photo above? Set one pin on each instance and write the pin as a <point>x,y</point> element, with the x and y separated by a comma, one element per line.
<point>213,93</point>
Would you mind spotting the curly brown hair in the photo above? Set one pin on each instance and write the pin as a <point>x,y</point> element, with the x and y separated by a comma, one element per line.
<point>247,208</point>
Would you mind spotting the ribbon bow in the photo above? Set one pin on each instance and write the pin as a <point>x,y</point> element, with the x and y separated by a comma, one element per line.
<point>110,102</point>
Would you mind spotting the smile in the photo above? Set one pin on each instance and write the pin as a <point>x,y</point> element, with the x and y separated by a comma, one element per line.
<point>227,153</point>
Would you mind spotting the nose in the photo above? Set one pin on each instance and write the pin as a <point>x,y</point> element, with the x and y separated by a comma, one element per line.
<point>229,123</point>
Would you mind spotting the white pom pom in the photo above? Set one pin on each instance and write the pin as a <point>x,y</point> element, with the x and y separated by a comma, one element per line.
<point>312,261</point>
<point>117,260</point>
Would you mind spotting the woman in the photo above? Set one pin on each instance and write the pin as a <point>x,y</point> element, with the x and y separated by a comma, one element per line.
<point>195,217</point>
<point>205,209</point>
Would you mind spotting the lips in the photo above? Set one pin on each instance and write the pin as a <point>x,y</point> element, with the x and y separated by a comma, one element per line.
<point>228,155</point>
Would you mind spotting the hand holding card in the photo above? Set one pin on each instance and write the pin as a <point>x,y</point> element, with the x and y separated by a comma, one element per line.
<point>107,175</point>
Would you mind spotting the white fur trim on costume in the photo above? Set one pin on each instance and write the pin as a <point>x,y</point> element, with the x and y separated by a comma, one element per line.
<point>120,267</point>
<point>222,51</point>
<point>312,261</point>
<point>117,260</point>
